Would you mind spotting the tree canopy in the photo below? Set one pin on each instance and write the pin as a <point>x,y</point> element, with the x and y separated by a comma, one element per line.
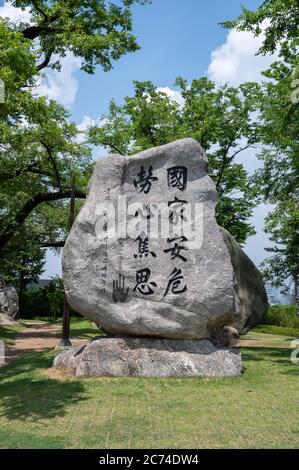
<point>43,161</point>
<point>96,31</point>
<point>278,179</point>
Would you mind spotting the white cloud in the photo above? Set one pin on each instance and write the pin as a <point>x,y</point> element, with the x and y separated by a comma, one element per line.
<point>15,15</point>
<point>62,85</point>
<point>236,61</point>
<point>85,123</point>
<point>174,95</point>
<point>82,127</point>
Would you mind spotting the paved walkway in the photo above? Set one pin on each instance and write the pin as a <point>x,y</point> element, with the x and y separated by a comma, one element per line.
<point>36,337</point>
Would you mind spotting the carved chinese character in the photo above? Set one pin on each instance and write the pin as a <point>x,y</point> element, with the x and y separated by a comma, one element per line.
<point>145,213</point>
<point>143,284</point>
<point>143,248</point>
<point>177,210</point>
<point>177,177</point>
<point>177,247</point>
<point>175,283</point>
<point>145,180</point>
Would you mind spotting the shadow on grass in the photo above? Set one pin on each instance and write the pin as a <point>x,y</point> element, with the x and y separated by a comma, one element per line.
<point>85,333</point>
<point>274,356</point>
<point>16,439</point>
<point>8,333</point>
<point>26,395</point>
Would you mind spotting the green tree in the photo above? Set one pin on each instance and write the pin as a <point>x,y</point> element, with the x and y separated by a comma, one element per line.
<point>283,265</point>
<point>96,31</point>
<point>219,119</point>
<point>277,19</point>
<point>278,102</point>
<point>17,71</point>
<point>55,294</point>
<point>39,163</point>
<point>42,163</point>
<point>22,261</point>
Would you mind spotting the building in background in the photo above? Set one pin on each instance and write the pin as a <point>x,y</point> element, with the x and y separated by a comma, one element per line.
<point>277,297</point>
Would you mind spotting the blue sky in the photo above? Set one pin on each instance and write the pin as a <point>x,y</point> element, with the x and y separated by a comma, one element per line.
<point>177,37</point>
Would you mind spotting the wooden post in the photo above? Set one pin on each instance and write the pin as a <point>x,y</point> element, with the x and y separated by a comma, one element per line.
<point>65,340</point>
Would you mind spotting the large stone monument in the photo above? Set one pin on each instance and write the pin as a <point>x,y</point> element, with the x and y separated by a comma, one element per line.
<point>147,262</point>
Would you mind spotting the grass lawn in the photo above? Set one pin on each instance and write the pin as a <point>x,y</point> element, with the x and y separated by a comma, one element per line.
<point>259,339</point>
<point>83,329</point>
<point>39,409</point>
<point>9,332</point>
<point>277,330</point>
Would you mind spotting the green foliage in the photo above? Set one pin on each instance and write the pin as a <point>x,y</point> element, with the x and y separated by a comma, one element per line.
<point>283,224</point>
<point>42,163</point>
<point>96,31</point>
<point>281,315</point>
<point>55,296</point>
<point>22,261</point>
<point>44,302</point>
<point>277,330</point>
<point>278,19</point>
<point>17,70</point>
<point>219,119</point>
<point>278,180</point>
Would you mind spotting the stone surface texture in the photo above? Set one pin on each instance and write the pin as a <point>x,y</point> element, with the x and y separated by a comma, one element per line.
<point>9,303</point>
<point>223,287</point>
<point>150,357</point>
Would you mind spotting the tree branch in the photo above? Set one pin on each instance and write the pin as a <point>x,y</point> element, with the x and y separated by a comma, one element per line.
<point>28,169</point>
<point>226,160</point>
<point>54,244</point>
<point>52,160</point>
<point>239,151</point>
<point>36,30</point>
<point>46,61</point>
<point>39,10</point>
<point>32,32</point>
<point>112,146</point>
<point>29,206</point>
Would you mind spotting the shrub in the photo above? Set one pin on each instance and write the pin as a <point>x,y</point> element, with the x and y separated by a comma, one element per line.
<point>277,330</point>
<point>281,315</point>
<point>44,303</point>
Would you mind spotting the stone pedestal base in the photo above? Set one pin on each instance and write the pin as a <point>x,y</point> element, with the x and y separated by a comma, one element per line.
<point>150,357</point>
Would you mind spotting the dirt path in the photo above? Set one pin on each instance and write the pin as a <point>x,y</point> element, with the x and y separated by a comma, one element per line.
<point>281,342</point>
<point>38,336</point>
<point>35,337</point>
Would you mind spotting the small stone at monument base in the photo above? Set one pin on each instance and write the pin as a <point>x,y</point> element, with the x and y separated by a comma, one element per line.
<point>5,320</point>
<point>9,303</point>
<point>150,357</point>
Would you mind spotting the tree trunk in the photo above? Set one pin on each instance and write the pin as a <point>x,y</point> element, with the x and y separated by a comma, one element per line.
<point>296,295</point>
